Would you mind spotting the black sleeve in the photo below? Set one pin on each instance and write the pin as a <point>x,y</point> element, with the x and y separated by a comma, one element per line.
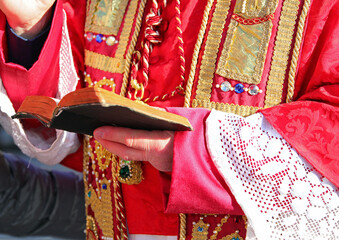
<point>37,202</point>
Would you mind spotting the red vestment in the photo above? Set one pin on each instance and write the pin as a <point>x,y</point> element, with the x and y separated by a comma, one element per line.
<point>309,123</point>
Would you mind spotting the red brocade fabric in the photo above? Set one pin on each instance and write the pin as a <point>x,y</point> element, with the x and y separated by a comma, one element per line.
<point>311,124</point>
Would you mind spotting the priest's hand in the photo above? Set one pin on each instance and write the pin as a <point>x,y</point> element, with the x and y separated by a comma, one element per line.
<point>156,147</point>
<point>27,17</point>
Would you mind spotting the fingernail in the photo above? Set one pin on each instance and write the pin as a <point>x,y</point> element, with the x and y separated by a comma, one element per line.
<point>98,133</point>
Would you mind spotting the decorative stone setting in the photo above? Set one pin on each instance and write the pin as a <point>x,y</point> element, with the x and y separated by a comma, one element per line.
<point>253,90</point>
<point>99,38</point>
<point>239,88</point>
<point>125,172</point>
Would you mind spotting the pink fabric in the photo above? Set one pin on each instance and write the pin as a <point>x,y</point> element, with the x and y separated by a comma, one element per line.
<point>197,186</point>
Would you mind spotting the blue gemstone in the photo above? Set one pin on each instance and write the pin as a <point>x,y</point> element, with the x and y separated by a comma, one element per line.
<point>104,186</point>
<point>89,194</point>
<point>239,88</point>
<point>200,229</point>
<point>99,38</point>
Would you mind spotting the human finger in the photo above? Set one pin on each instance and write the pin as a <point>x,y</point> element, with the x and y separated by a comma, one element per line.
<point>133,138</point>
<point>123,151</point>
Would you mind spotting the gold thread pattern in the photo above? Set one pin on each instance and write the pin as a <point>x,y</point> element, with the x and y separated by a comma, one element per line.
<point>211,49</point>
<point>233,236</point>
<point>226,107</point>
<point>219,227</point>
<point>245,48</point>
<point>131,49</point>
<point>255,8</point>
<point>188,91</point>
<point>200,230</point>
<point>103,82</point>
<point>90,225</point>
<point>244,52</point>
<point>101,203</point>
<point>97,163</point>
<point>281,53</point>
<point>121,218</point>
<point>126,31</point>
<point>296,50</point>
<point>104,63</point>
<point>105,16</point>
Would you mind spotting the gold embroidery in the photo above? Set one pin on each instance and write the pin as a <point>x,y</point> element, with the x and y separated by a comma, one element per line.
<point>93,231</point>
<point>244,218</point>
<point>131,49</point>
<point>281,53</point>
<point>245,48</point>
<point>126,31</point>
<point>219,227</point>
<point>244,52</point>
<point>118,202</point>
<point>226,107</point>
<point>114,64</point>
<point>233,236</point>
<point>296,50</point>
<point>200,230</point>
<point>103,82</point>
<point>211,49</point>
<point>104,63</point>
<point>255,8</point>
<point>103,156</point>
<point>101,203</point>
<point>99,195</point>
<point>105,16</point>
<point>195,57</point>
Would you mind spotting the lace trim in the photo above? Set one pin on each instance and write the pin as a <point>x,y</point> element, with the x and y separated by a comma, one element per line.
<point>282,195</point>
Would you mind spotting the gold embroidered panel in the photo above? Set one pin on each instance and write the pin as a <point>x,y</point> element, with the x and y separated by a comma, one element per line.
<point>281,51</point>
<point>209,59</point>
<point>244,52</point>
<point>105,16</point>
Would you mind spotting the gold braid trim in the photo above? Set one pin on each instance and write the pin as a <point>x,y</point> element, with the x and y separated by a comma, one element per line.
<point>196,53</point>
<point>281,53</point>
<point>123,41</point>
<point>226,107</point>
<point>209,58</point>
<point>182,233</point>
<point>296,50</point>
<point>131,47</point>
<point>104,63</point>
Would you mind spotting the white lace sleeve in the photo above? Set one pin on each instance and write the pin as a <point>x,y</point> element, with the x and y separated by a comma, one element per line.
<point>31,144</point>
<point>282,195</point>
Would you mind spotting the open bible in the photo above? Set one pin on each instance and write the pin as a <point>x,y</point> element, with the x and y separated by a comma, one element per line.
<point>84,110</point>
